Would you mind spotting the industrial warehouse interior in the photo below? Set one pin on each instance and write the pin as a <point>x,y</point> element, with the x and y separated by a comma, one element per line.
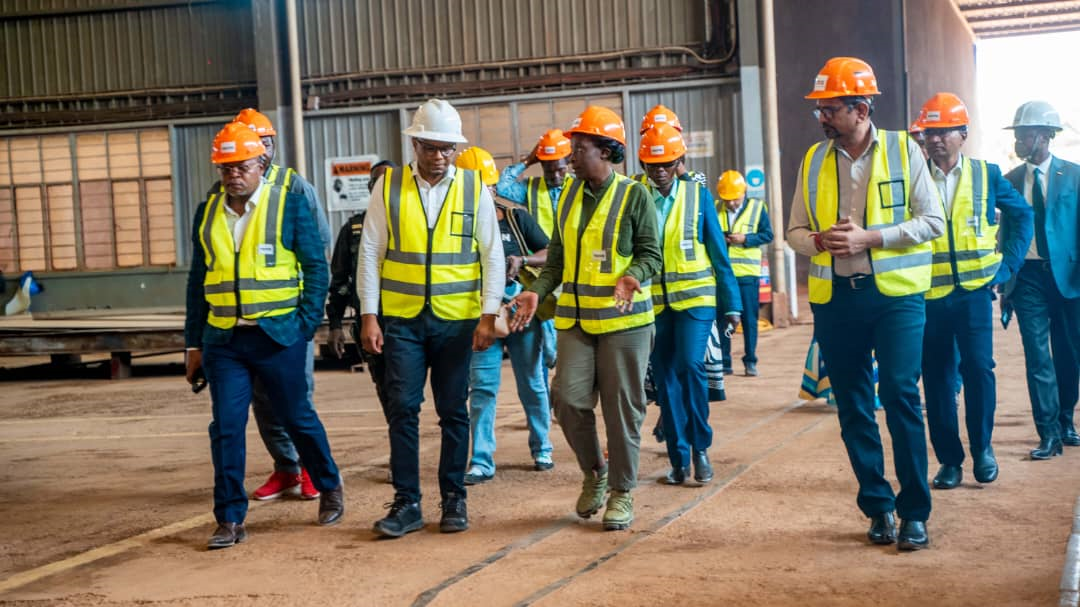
<point>516,302</point>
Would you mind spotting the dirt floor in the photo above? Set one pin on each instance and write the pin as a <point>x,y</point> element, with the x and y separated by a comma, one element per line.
<point>107,499</point>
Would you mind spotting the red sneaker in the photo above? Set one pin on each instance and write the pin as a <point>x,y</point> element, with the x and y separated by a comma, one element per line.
<point>307,490</point>
<point>277,485</point>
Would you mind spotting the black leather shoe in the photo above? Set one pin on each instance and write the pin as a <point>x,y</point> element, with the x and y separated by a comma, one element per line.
<point>948,477</point>
<point>882,529</point>
<point>1048,447</point>
<point>455,517</point>
<point>676,476</point>
<point>332,505</point>
<point>912,536</point>
<point>1070,438</point>
<point>751,369</point>
<point>404,517</point>
<point>227,534</point>
<point>702,468</point>
<point>986,467</point>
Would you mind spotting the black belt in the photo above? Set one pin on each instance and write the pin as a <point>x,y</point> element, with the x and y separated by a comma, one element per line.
<point>855,282</point>
<point>1036,264</point>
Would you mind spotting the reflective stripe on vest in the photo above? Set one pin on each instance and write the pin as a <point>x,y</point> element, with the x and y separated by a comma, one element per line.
<point>745,261</point>
<point>263,274</point>
<point>592,263</point>
<point>966,254</point>
<point>439,267</point>
<point>897,272</point>
<point>686,279</point>
<point>538,202</point>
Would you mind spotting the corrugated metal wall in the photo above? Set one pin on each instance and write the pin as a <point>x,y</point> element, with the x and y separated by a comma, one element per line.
<point>194,175</point>
<point>124,50</point>
<point>711,109</point>
<point>376,133</point>
<point>337,37</point>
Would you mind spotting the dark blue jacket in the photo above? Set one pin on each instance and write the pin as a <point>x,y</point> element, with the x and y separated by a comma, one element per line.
<point>1062,222</point>
<point>300,234</point>
<point>712,236</point>
<point>1016,223</point>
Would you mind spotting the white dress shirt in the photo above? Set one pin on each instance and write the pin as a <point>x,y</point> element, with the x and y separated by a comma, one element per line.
<point>927,221</point>
<point>1029,182</point>
<point>376,233</point>
<point>947,182</point>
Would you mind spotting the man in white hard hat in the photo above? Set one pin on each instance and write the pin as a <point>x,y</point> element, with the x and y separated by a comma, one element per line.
<point>1046,291</point>
<point>432,258</point>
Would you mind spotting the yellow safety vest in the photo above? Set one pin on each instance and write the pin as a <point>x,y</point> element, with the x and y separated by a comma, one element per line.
<point>264,276</point>
<point>281,176</point>
<point>538,202</point>
<point>592,263</point>
<point>642,178</point>
<point>686,279</point>
<point>897,272</point>
<point>745,261</point>
<point>967,253</point>
<point>439,267</point>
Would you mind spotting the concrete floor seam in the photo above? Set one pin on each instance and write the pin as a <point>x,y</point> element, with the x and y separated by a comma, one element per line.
<point>672,516</point>
<point>29,576</point>
<point>430,594</point>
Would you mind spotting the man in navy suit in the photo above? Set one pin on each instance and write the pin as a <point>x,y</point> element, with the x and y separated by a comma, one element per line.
<point>1046,291</point>
<point>967,263</point>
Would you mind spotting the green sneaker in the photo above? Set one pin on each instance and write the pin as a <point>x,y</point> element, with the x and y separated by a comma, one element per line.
<point>593,490</point>
<point>620,511</point>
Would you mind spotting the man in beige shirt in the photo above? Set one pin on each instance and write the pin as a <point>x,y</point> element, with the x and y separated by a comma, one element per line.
<point>865,212</point>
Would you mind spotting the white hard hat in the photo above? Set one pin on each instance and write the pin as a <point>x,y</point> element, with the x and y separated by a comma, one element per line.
<point>436,120</point>
<point>1036,113</point>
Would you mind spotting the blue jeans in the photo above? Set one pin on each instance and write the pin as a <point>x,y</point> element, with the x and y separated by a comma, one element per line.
<point>1050,332</point>
<point>273,434</point>
<point>230,370</point>
<point>485,375</point>
<point>410,347</point>
<point>962,320</point>
<point>748,293</point>
<point>551,339</point>
<point>856,323</point>
<point>678,364</point>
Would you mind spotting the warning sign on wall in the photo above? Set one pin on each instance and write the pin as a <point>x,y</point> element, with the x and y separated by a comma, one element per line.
<point>699,144</point>
<point>347,182</point>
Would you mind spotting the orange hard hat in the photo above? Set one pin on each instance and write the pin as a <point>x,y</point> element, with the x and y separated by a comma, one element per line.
<point>660,115</point>
<point>661,144</point>
<point>844,77</point>
<point>553,145</point>
<point>943,111</point>
<point>236,142</point>
<point>601,122</point>
<point>478,159</point>
<point>257,122</point>
<point>731,185</point>
<point>915,126</point>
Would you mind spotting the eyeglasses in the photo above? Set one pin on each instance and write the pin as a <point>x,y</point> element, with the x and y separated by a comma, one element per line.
<point>938,133</point>
<point>667,166</point>
<point>444,151</point>
<point>238,169</point>
<point>828,111</point>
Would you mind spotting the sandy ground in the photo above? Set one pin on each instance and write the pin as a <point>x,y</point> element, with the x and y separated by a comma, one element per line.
<point>107,498</point>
